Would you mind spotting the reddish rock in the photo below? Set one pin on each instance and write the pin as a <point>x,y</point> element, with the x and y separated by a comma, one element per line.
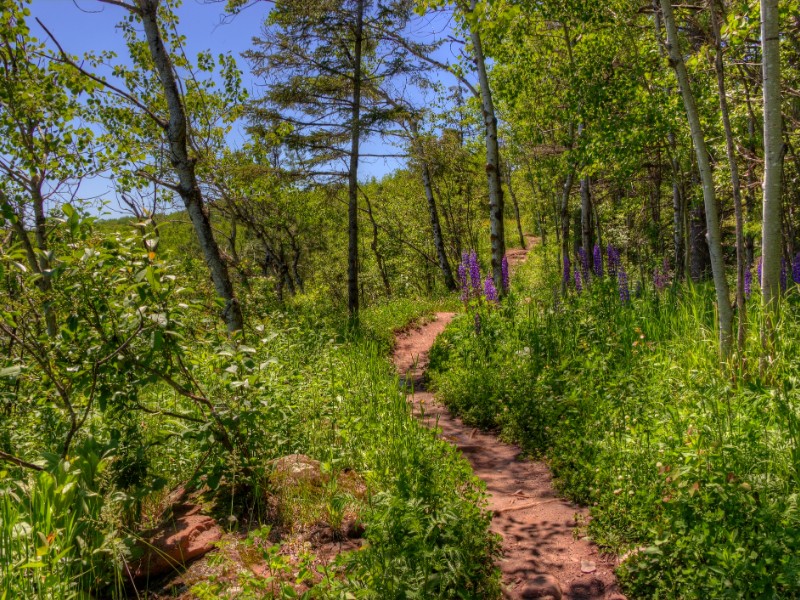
<point>188,535</point>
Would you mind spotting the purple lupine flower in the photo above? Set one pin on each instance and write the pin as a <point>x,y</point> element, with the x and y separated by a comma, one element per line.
<point>598,261</point>
<point>783,274</point>
<point>556,300</point>
<point>613,260</point>
<point>584,260</point>
<point>796,268</point>
<point>504,269</point>
<point>760,264</point>
<point>566,271</point>
<point>474,273</point>
<point>578,286</point>
<point>661,278</point>
<point>462,277</point>
<point>622,282</point>
<point>748,282</point>
<point>489,291</point>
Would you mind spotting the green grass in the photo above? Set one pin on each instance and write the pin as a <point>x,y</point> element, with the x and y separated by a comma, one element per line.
<point>694,465</point>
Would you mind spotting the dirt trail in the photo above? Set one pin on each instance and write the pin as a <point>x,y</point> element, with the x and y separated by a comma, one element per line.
<point>541,556</point>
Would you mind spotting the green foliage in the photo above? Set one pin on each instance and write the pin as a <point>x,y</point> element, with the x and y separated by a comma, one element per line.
<point>691,468</point>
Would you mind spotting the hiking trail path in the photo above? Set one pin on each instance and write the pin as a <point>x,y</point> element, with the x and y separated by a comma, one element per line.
<point>541,556</point>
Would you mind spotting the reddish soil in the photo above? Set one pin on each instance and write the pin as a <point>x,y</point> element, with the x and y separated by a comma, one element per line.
<point>517,256</point>
<point>543,555</point>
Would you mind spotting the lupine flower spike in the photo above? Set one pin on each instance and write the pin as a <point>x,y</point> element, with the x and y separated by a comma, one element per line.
<point>490,292</point>
<point>613,260</point>
<point>462,277</point>
<point>622,281</point>
<point>748,283</point>
<point>504,268</point>
<point>584,260</point>
<point>598,261</point>
<point>578,286</point>
<point>474,273</point>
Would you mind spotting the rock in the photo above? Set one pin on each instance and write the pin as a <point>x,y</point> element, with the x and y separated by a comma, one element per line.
<point>588,566</point>
<point>539,586</point>
<point>296,470</point>
<point>187,536</point>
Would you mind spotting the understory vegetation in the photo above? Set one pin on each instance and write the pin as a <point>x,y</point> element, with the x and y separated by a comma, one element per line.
<point>301,383</point>
<point>691,470</point>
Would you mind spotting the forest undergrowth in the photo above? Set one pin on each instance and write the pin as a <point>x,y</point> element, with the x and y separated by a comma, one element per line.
<point>691,469</point>
<point>180,405</point>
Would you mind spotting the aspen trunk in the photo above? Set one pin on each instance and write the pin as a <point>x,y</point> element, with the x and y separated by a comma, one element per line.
<point>724,311</point>
<point>773,159</point>
<point>184,165</point>
<point>567,190</point>
<point>496,223</point>
<point>737,190</point>
<point>587,229</point>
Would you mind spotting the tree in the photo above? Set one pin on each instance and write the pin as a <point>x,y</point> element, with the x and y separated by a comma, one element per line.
<point>169,116</point>
<point>324,64</point>
<point>725,314</point>
<point>45,150</point>
<point>771,239</point>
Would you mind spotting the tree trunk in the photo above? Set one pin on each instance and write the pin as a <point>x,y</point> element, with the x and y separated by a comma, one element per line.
<point>587,229</point>
<point>565,228</point>
<point>184,165</point>
<point>678,207</point>
<point>516,207</point>
<point>773,160</point>
<point>433,211</point>
<point>438,239</point>
<point>379,260</point>
<point>352,180</point>
<point>737,190</point>
<point>724,311</point>
<point>496,223</point>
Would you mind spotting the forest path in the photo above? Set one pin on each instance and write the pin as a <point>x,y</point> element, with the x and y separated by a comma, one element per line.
<point>541,556</point>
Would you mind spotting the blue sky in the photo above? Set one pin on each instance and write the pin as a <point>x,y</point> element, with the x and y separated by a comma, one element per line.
<point>88,25</point>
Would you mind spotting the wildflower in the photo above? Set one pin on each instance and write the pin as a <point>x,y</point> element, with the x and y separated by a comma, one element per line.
<point>490,292</point>
<point>622,282</point>
<point>598,261</point>
<point>475,273</point>
<point>565,273</point>
<point>796,268</point>
<point>462,277</point>
<point>748,282</point>
<point>578,285</point>
<point>584,260</point>
<point>504,269</point>
<point>613,260</point>
<point>661,278</point>
<point>760,265</point>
